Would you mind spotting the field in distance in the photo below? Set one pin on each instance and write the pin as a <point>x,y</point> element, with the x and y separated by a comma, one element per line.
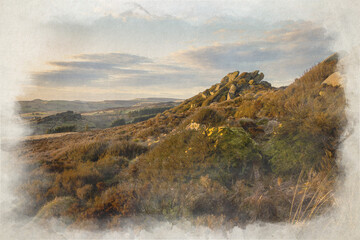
<point>44,117</point>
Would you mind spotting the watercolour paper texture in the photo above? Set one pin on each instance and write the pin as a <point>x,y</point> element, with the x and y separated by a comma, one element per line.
<point>149,119</point>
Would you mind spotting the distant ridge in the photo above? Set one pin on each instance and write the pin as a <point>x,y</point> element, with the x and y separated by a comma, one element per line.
<point>39,105</point>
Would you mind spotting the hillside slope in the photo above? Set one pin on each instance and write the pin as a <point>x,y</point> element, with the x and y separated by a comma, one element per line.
<point>238,152</point>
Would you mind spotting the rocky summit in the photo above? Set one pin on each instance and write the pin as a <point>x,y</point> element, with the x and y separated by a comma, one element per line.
<point>233,84</point>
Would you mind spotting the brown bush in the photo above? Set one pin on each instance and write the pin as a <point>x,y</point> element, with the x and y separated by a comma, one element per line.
<point>118,200</point>
<point>84,192</point>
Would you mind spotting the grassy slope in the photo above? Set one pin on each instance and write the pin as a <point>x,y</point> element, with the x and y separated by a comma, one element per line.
<point>267,155</point>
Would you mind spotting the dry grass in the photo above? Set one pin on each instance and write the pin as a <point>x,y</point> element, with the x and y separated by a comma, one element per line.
<point>311,197</point>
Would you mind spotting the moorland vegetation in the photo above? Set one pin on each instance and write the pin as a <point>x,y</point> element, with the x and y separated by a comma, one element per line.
<point>239,152</point>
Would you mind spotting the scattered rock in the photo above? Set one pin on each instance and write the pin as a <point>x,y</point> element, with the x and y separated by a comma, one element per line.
<point>193,126</point>
<point>271,126</point>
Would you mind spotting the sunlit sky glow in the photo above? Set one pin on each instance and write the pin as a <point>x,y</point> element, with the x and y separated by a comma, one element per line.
<point>101,50</point>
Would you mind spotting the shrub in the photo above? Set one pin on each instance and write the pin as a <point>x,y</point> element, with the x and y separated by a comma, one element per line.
<point>56,207</point>
<point>235,153</point>
<point>126,149</point>
<point>207,116</point>
<point>84,192</point>
<point>147,111</point>
<point>69,181</point>
<point>118,200</point>
<point>88,151</point>
<point>290,154</point>
<point>143,118</point>
<point>118,122</point>
<point>62,128</point>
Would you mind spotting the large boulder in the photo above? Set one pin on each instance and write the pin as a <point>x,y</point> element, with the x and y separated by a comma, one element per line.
<point>205,94</point>
<point>243,75</point>
<point>230,77</point>
<point>224,80</point>
<point>217,88</point>
<point>259,77</point>
<point>333,80</point>
<point>230,96</point>
<point>254,74</point>
<point>233,89</point>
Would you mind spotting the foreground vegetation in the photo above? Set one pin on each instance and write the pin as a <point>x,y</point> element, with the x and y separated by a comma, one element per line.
<point>257,153</point>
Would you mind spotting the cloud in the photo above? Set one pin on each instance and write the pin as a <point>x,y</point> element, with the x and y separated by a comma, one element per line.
<point>90,68</point>
<point>130,50</point>
<point>282,52</point>
<point>84,65</point>
<point>67,77</point>
<point>115,58</point>
<point>109,70</point>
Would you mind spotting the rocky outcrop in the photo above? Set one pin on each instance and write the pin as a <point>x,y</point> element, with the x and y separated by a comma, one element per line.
<point>242,81</point>
<point>232,86</point>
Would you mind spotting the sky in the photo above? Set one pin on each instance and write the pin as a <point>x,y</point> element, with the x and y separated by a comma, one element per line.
<point>105,50</point>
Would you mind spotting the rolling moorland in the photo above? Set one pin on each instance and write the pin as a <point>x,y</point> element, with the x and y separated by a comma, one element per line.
<point>239,152</point>
<point>45,117</point>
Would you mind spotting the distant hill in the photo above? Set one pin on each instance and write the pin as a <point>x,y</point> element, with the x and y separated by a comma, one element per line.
<point>39,105</point>
<point>69,121</point>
